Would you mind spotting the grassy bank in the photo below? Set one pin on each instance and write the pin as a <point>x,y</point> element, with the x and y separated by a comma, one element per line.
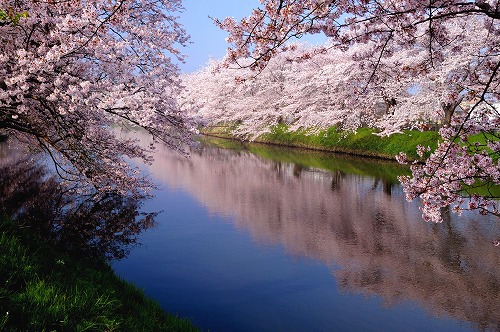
<point>362,143</point>
<point>42,289</point>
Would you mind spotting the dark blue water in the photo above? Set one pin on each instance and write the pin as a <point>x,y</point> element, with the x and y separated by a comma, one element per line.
<point>251,244</point>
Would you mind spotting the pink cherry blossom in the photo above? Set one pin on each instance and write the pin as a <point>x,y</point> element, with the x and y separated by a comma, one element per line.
<point>422,59</point>
<point>73,74</point>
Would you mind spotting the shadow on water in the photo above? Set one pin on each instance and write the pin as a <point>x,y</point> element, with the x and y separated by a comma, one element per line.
<point>351,215</point>
<point>87,226</point>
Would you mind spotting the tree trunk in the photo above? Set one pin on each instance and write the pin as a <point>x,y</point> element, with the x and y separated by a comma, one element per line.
<point>449,110</point>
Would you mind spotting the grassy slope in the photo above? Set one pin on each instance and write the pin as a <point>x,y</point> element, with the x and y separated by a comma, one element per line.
<point>363,142</point>
<point>44,290</point>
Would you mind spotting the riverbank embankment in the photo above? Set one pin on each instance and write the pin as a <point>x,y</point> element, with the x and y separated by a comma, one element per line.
<point>364,142</point>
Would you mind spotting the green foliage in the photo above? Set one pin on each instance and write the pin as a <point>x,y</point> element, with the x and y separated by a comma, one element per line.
<point>481,188</point>
<point>42,289</point>
<point>479,143</point>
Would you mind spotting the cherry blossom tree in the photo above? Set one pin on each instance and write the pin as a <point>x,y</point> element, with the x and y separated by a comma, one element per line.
<point>72,73</point>
<point>449,44</point>
<point>325,90</point>
<point>286,91</point>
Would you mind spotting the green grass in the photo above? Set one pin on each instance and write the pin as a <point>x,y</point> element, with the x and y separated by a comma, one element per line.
<point>42,289</point>
<point>363,142</point>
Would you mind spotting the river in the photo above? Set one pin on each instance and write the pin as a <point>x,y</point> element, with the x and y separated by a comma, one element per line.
<point>255,238</point>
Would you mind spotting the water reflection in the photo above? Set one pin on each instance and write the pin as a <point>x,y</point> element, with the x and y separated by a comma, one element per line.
<point>88,226</point>
<point>374,241</point>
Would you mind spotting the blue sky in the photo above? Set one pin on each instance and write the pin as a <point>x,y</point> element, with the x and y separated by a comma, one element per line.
<point>208,41</point>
